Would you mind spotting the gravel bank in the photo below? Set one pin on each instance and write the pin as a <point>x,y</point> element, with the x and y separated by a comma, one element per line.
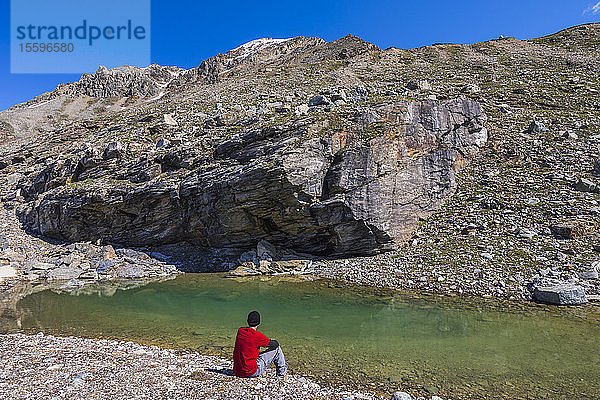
<point>406,271</point>
<point>47,367</point>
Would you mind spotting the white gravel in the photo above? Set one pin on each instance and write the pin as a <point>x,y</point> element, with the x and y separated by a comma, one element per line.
<point>48,367</point>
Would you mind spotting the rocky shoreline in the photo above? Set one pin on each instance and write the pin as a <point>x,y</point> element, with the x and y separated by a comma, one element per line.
<point>34,259</point>
<point>394,270</point>
<point>47,367</point>
<point>29,258</point>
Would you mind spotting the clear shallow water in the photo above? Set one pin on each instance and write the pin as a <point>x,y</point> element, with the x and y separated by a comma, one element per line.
<point>370,338</point>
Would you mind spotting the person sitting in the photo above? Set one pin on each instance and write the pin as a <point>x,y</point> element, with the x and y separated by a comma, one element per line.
<point>248,361</point>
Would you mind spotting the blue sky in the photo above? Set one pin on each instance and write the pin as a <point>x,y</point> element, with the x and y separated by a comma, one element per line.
<point>185,33</point>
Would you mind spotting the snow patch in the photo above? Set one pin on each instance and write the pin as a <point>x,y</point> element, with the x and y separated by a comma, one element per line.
<point>257,45</point>
<point>175,74</point>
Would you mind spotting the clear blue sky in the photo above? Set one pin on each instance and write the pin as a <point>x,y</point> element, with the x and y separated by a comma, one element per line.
<point>184,33</point>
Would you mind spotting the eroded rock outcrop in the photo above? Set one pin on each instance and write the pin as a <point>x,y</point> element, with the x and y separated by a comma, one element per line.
<point>344,193</point>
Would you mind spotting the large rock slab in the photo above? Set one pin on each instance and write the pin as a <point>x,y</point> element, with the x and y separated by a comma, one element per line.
<point>7,272</point>
<point>563,294</point>
<point>333,194</point>
<point>64,273</point>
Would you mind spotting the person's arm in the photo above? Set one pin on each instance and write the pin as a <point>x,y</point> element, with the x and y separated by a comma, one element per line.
<point>273,344</point>
<point>268,343</point>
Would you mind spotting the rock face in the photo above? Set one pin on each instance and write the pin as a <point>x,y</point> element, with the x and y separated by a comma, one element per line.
<point>124,82</point>
<point>342,194</point>
<point>561,294</point>
<point>6,130</point>
<point>101,92</point>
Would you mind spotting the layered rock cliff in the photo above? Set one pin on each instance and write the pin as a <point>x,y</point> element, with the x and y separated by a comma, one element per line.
<point>317,193</point>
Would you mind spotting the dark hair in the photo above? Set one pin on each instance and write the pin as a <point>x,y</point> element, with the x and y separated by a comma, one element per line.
<point>253,319</point>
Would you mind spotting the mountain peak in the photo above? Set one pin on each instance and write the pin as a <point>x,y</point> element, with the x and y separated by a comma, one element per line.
<point>259,44</point>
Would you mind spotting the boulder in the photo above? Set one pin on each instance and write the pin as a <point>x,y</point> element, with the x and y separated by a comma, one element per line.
<point>592,273</point>
<point>7,272</point>
<point>318,100</point>
<point>570,135</point>
<point>169,120</point>
<point>422,84</point>
<point>358,94</point>
<point>586,185</point>
<point>301,110</point>
<point>163,142</point>
<point>4,243</point>
<point>536,127</point>
<point>563,294</point>
<point>247,269</point>
<point>340,95</point>
<point>401,396</point>
<point>588,275</point>
<point>570,229</point>
<point>470,88</point>
<point>268,259</point>
<point>596,168</point>
<point>113,150</point>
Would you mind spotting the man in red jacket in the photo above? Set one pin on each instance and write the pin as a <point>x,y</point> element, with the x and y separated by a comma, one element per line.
<point>247,361</point>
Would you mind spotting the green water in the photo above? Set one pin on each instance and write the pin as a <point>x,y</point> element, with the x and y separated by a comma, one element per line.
<point>377,340</point>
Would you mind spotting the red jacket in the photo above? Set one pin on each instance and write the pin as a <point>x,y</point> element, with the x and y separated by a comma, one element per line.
<point>247,345</point>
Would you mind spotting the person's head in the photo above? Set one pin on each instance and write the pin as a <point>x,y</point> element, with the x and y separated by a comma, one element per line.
<point>253,319</point>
